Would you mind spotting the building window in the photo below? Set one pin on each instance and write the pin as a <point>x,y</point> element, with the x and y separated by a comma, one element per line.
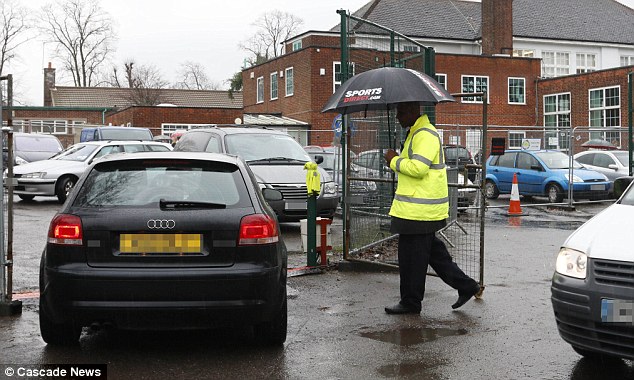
<point>557,121</point>
<point>555,64</point>
<point>524,53</point>
<point>605,112</point>
<point>168,129</point>
<point>56,127</point>
<point>515,139</point>
<point>260,90</point>
<point>586,63</point>
<point>274,85</point>
<point>410,48</point>
<point>517,91</point>
<point>337,75</point>
<point>472,84</point>
<point>627,60</point>
<point>297,45</point>
<point>442,80</point>
<point>290,81</point>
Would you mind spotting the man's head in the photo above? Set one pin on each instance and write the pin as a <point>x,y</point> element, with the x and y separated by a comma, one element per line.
<point>407,113</point>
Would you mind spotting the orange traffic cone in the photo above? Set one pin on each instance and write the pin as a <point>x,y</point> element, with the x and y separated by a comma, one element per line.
<point>515,209</point>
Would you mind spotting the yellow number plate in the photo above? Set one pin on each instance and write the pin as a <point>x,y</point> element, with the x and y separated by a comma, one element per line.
<point>160,243</point>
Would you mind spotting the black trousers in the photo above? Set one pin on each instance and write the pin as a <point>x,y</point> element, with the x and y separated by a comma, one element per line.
<point>415,253</point>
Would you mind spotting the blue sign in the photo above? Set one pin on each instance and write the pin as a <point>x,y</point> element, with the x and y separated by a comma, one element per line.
<point>337,126</point>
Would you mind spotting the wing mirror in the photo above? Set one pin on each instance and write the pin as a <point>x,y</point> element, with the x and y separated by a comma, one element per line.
<point>319,159</point>
<point>272,194</point>
<point>620,185</point>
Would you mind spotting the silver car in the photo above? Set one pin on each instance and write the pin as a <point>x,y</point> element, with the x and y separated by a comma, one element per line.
<point>57,175</point>
<point>592,286</point>
<point>611,163</point>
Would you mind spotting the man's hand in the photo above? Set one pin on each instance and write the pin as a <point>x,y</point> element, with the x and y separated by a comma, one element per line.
<point>389,155</point>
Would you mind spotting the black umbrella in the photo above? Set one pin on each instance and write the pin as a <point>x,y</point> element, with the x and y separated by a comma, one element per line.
<point>383,88</point>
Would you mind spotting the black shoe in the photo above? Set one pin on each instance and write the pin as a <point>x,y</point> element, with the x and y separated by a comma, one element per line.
<point>401,309</point>
<point>465,297</point>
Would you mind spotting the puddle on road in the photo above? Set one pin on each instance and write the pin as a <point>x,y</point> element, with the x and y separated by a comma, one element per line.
<point>411,336</point>
<point>408,370</point>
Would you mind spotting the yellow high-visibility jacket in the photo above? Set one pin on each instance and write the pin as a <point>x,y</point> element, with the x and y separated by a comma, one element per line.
<point>422,193</point>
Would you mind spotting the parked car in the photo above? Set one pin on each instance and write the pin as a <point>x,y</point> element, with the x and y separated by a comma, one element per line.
<point>30,147</point>
<point>611,163</point>
<point>188,242</point>
<point>57,175</point>
<point>457,156</point>
<point>277,161</point>
<point>115,133</point>
<point>330,158</point>
<point>591,289</point>
<point>543,173</point>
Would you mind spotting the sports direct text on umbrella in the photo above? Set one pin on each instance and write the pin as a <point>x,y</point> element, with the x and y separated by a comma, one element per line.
<point>365,94</point>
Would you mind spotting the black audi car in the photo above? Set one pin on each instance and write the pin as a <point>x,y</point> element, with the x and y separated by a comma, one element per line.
<point>164,241</point>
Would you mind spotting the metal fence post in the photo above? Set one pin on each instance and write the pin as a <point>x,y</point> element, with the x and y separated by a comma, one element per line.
<point>8,306</point>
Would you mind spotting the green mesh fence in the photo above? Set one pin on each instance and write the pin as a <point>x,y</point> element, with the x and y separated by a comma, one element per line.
<point>370,184</point>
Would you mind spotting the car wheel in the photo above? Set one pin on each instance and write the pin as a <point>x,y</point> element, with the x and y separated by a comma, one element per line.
<point>491,191</point>
<point>64,187</point>
<point>54,333</point>
<point>273,333</point>
<point>26,197</point>
<point>595,356</point>
<point>555,193</point>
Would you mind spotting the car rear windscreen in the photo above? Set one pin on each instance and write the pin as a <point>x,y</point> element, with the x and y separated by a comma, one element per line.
<point>125,134</point>
<point>146,182</point>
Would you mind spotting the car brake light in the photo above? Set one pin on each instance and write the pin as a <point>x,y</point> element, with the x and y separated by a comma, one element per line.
<point>65,230</point>
<point>257,229</point>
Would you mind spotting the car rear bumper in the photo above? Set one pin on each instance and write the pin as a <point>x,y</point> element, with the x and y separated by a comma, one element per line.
<point>577,306</point>
<point>163,298</point>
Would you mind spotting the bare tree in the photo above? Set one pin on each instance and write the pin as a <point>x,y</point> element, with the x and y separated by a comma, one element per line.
<point>274,28</point>
<point>144,81</point>
<point>193,77</point>
<point>82,33</point>
<point>13,31</point>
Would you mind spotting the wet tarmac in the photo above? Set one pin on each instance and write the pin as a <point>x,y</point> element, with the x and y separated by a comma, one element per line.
<point>337,326</point>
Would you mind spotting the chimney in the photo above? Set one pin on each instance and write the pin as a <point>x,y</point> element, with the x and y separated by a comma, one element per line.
<point>49,84</point>
<point>497,27</point>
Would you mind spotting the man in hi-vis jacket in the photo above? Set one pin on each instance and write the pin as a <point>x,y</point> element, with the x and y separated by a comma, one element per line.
<point>419,209</point>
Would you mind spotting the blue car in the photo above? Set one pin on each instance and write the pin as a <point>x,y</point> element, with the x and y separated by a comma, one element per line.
<point>543,173</point>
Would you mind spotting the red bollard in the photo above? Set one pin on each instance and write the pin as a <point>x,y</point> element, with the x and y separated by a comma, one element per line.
<point>324,247</point>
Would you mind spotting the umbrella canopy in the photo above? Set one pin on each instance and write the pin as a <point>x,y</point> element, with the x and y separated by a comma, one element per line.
<point>383,88</point>
<point>599,144</point>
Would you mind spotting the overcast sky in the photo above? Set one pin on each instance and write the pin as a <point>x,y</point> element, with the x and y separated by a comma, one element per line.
<point>166,33</point>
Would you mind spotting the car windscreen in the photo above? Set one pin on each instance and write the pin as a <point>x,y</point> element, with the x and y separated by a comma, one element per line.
<point>77,153</point>
<point>262,146</point>
<point>557,160</point>
<point>125,134</point>
<point>36,143</point>
<point>622,156</point>
<point>184,183</point>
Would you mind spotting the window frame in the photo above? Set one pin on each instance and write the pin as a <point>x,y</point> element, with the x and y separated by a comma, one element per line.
<point>523,80</point>
<point>585,68</point>
<point>259,90</point>
<point>604,109</point>
<point>289,81</point>
<point>558,114</point>
<point>555,68</point>
<point>474,99</point>
<point>274,85</point>
<point>512,139</point>
<point>442,82</point>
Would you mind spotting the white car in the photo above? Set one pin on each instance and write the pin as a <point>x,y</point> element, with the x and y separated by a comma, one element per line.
<point>57,175</point>
<point>611,163</point>
<point>592,290</point>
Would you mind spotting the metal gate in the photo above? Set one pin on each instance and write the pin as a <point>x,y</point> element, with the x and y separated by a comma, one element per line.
<point>369,184</point>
